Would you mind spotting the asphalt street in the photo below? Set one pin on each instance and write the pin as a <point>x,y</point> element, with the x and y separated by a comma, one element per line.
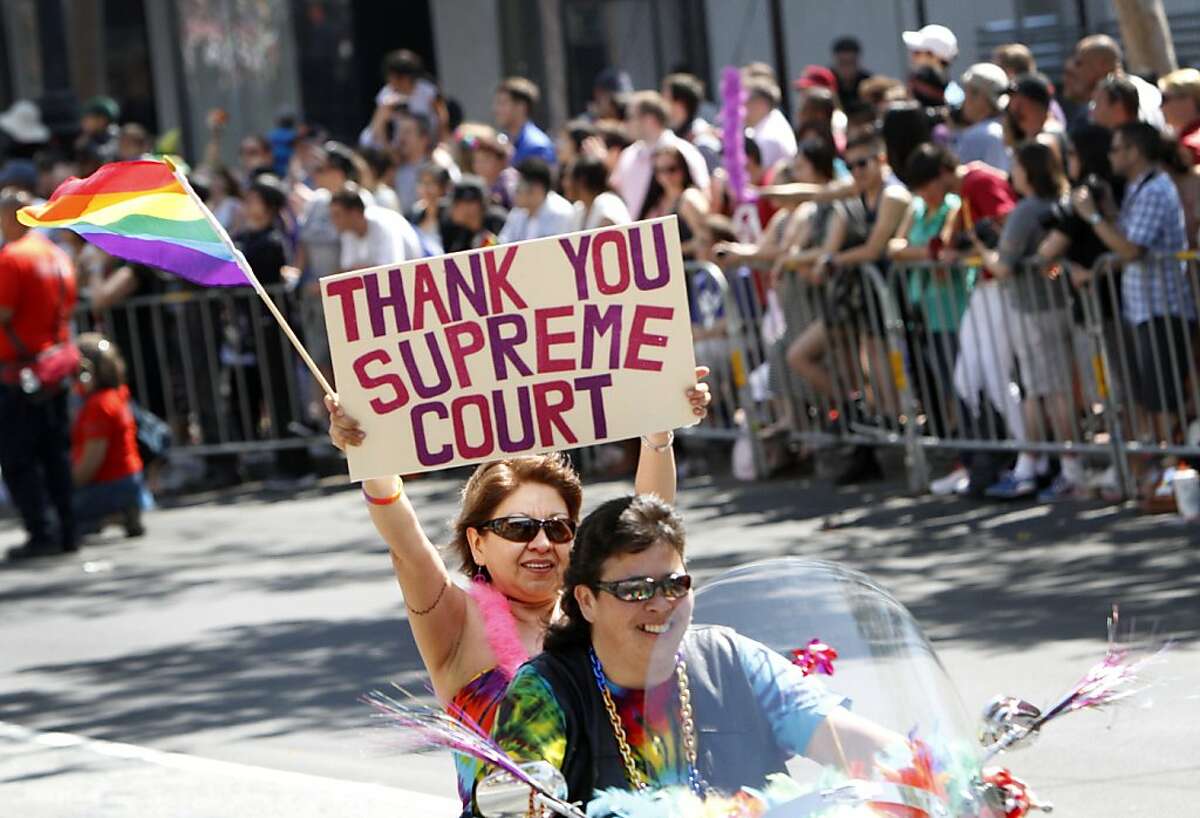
<point>215,666</point>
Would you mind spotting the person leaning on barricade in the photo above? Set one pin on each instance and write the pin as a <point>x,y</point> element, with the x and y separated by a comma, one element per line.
<point>936,295</point>
<point>1157,299</point>
<point>1040,325</point>
<point>1073,244</point>
<point>884,201</point>
<point>983,356</point>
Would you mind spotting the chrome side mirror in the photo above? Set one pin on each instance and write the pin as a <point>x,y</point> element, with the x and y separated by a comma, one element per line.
<point>1009,720</point>
<point>500,795</point>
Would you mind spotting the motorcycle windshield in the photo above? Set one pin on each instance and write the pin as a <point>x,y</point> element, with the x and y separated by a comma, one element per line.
<point>907,748</point>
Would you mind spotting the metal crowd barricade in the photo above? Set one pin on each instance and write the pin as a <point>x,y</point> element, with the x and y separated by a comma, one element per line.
<point>1145,313</point>
<point>214,365</point>
<point>868,399</point>
<point>935,356</point>
<point>1005,365</point>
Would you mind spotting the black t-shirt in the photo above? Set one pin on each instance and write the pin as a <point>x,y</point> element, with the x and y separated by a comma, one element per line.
<point>456,238</point>
<point>265,253</point>
<point>1084,249</point>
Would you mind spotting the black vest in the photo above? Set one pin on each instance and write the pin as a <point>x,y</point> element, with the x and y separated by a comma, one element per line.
<point>736,746</point>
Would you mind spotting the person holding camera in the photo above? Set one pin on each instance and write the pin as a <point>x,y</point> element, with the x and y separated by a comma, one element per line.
<point>1073,243</point>
<point>37,294</point>
<point>1156,295</point>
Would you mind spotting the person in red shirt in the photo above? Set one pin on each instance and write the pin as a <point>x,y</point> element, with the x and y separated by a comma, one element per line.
<point>105,463</point>
<point>1181,110</point>
<point>37,294</point>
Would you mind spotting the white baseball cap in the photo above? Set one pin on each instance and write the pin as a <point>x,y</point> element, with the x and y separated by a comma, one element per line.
<point>937,40</point>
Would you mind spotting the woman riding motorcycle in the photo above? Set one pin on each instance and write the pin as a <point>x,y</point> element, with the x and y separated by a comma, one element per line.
<point>628,694</point>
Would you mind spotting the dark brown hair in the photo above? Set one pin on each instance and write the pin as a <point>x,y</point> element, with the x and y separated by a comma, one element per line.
<point>1043,169</point>
<point>102,358</point>
<point>626,525</point>
<point>492,484</point>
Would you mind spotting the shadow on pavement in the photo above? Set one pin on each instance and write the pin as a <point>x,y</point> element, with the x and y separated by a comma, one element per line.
<point>270,679</point>
<point>1011,574</point>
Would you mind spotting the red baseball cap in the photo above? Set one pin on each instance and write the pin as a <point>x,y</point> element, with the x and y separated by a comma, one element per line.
<point>817,76</point>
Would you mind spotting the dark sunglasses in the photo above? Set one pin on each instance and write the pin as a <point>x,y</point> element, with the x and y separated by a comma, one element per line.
<point>858,164</point>
<point>519,528</point>
<point>642,589</point>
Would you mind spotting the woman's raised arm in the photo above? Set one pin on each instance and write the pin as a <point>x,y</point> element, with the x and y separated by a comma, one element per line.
<point>436,606</point>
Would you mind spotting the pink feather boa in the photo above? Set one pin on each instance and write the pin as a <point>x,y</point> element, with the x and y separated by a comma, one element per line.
<point>501,627</point>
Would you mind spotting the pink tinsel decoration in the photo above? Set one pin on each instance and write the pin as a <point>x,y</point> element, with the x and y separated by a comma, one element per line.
<point>1116,677</point>
<point>424,727</point>
<point>815,657</point>
<point>733,113</point>
<point>502,634</point>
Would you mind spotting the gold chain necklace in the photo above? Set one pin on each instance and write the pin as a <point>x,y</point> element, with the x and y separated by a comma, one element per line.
<point>686,722</point>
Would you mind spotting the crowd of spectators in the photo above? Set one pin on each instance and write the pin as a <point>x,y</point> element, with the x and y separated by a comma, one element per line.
<point>990,162</point>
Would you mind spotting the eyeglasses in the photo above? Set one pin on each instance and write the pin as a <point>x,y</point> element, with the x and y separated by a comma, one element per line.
<point>860,163</point>
<point>519,528</point>
<point>667,169</point>
<point>642,589</point>
<point>1115,147</point>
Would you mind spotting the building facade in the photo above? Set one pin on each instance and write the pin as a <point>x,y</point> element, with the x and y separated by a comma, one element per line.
<point>169,62</point>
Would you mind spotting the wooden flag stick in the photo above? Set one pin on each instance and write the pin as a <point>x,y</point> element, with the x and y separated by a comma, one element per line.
<point>252,279</point>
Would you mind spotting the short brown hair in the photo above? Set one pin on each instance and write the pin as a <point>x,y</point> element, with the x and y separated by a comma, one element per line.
<point>492,483</point>
<point>521,90</point>
<point>626,525</point>
<point>763,88</point>
<point>649,103</point>
<point>1015,58</point>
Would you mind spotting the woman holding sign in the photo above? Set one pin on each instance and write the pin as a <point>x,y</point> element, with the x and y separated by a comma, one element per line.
<point>513,536</point>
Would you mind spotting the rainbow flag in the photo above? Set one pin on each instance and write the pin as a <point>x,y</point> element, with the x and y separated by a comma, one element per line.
<point>142,212</point>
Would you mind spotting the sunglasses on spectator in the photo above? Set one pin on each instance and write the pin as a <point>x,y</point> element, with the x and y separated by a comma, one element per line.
<point>859,164</point>
<point>519,528</point>
<point>643,589</point>
<point>667,169</point>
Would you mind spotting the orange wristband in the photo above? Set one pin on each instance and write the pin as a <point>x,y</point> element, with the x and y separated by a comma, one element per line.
<point>383,501</point>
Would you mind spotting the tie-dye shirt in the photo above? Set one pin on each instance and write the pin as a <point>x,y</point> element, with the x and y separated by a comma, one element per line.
<point>532,725</point>
<point>478,700</point>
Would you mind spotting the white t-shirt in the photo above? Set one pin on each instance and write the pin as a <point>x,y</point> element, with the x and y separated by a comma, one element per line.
<point>390,239</point>
<point>775,137</point>
<point>551,219</point>
<point>607,208</point>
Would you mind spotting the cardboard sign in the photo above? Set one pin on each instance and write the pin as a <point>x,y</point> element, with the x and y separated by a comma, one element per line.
<point>528,347</point>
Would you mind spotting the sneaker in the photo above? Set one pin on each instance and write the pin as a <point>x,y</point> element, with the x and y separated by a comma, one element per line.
<point>1107,484</point>
<point>1011,487</point>
<point>956,482</point>
<point>863,467</point>
<point>33,549</point>
<point>1060,489</point>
